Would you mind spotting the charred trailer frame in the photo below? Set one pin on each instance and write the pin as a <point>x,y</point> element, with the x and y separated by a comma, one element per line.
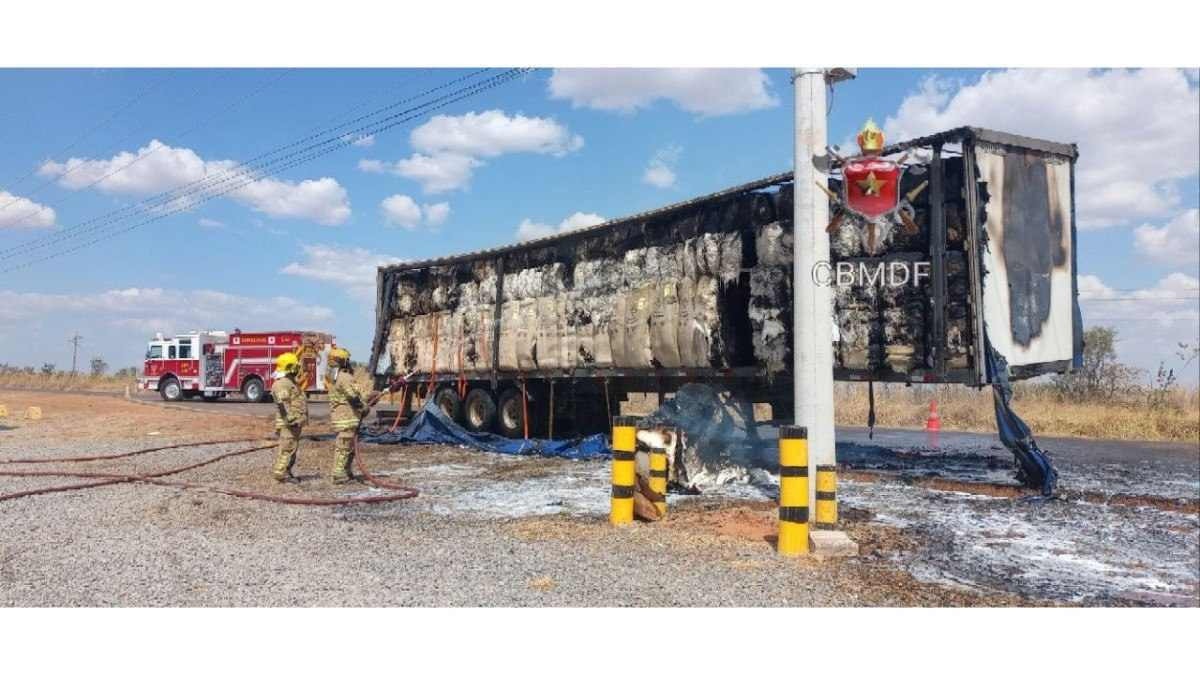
<point>700,291</point>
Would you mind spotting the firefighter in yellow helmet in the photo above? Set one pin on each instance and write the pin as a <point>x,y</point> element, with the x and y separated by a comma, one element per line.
<point>347,408</point>
<point>291,416</point>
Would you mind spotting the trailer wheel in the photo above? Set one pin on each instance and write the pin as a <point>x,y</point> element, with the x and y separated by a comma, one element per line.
<point>170,390</point>
<point>450,402</point>
<point>253,390</point>
<point>479,410</point>
<point>510,416</point>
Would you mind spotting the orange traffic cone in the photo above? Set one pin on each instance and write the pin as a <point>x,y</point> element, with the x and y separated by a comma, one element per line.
<point>934,423</point>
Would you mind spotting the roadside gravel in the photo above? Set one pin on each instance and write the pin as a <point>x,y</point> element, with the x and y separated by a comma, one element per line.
<point>139,545</point>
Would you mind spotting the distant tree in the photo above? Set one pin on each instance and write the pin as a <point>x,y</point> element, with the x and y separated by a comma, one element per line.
<point>126,372</point>
<point>99,366</point>
<point>1162,389</point>
<point>48,368</point>
<point>1102,374</point>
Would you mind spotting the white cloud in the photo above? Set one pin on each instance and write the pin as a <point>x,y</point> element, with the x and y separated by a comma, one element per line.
<point>211,224</point>
<point>401,210</point>
<point>322,200</point>
<point>449,148</point>
<point>660,171</point>
<point>372,166</point>
<point>350,268</point>
<point>1151,321</point>
<point>438,173</point>
<point>493,133</point>
<point>23,213</point>
<point>436,214</point>
<point>704,91</point>
<point>1137,130</point>
<point>1177,243</point>
<point>158,167</point>
<point>529,229</point>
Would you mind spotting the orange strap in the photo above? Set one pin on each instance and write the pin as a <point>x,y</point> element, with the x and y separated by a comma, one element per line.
<point>400,411</point>
<point>524,408</point>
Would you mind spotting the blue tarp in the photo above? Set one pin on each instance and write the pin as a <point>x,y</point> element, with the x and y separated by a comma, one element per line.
<point>431,425</point>
<point>1035,469</point>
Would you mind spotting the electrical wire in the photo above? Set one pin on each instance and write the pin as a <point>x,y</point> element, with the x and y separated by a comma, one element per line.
<point>138,158</point>
<point>105,122</point>
<point>250,167</point>
<point>248,174</point>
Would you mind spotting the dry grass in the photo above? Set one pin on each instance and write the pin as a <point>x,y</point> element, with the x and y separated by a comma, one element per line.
<point>61,381</point>
<point>965,409</point>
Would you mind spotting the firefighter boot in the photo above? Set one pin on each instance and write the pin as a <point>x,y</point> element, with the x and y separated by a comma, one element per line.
<point>343,455</point>
<point>285,458</point>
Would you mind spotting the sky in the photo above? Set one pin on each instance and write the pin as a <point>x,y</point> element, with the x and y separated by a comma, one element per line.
<point>83,151</point>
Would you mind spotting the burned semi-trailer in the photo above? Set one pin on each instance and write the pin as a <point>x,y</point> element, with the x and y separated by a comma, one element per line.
<point>979,287</point>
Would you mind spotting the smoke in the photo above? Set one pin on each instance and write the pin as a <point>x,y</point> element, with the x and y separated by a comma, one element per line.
<point>720,442</point>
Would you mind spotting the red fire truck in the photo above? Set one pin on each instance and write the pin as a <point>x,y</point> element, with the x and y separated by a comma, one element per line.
<point>213,364</point>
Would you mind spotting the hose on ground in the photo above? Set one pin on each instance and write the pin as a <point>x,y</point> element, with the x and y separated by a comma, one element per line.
<point>398,492</point>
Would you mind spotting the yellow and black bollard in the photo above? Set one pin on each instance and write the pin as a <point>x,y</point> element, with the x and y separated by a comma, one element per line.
<point>624,471</point>
<point>793,491</point>
<point>826,495</point>
<point>658,478</point>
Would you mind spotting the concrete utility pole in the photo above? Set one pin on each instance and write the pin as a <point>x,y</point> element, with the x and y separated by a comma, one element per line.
<point>812,352</point>
<point>74,350</point>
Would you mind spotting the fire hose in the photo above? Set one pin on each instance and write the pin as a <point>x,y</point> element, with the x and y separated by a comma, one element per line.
<point>399,492</point>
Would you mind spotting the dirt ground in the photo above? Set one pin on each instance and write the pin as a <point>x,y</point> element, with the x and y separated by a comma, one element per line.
<point>75,417</point>
<point>728,543</point>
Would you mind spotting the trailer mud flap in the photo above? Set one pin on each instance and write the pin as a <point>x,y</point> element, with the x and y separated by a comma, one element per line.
<point>1034,468</point>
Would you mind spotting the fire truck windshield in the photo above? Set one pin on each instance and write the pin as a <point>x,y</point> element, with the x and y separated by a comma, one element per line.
<point>154,352</point>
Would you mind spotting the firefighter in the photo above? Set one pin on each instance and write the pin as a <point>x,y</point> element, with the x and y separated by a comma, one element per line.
<point>347,408</point>
<point>292,414</point>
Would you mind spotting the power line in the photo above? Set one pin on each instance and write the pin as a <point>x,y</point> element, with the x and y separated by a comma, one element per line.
<point>376,127</point>
<point>105,122</point>
<point>138,158</point>
<point>164,199</point>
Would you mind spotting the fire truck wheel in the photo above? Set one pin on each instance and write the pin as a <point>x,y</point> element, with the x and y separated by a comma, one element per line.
<point>510,416</point>
<point>170,390</point>
<point>479,410</point>
<point>450,402</point>
<point>253,390</point>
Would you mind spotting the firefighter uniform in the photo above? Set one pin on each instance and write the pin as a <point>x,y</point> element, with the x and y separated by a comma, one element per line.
<point>291,416</point>
<point>347,407</point>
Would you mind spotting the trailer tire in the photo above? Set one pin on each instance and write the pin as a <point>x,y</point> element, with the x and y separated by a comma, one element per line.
<point>510,416</point>
<point>254,390</point>
<point>479,410</point>
<point>450,402</point>
<point>170,389</point>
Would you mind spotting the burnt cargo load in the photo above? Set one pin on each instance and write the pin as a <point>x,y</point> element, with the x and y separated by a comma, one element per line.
<point>701,290</point>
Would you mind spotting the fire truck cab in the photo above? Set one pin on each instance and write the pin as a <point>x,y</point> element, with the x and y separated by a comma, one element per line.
<point>214,364</point>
